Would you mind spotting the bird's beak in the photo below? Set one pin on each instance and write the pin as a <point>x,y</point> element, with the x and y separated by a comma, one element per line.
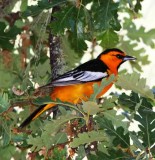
<point>129,58</point>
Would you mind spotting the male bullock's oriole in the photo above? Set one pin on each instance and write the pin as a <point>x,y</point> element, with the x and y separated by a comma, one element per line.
<point>77,85</point>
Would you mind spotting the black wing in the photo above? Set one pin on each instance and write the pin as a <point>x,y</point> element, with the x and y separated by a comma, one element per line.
<point>93,70</point>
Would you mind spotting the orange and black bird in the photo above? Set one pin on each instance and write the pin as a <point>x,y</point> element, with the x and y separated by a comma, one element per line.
<point>77,85</point>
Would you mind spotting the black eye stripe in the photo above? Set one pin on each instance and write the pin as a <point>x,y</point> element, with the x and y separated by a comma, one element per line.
<point>119,56</point>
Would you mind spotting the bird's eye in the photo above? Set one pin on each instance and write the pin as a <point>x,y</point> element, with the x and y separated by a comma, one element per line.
<point>119,56</point>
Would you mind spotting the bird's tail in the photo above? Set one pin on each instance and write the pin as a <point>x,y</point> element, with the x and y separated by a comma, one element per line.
<point>36,114</point>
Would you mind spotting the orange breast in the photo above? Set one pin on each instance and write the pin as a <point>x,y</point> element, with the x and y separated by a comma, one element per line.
<point>75,93</point>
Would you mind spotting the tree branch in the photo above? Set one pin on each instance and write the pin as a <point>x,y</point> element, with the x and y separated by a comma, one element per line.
<point>57,61</point>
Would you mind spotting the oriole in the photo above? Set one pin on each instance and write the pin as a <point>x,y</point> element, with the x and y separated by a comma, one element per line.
<point>77,85</point>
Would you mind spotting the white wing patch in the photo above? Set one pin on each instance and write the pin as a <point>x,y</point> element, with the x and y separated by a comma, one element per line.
<point>91,76</point>
<point>78,77</point>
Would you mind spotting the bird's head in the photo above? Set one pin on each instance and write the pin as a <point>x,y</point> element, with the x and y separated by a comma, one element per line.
<point>113,58</point>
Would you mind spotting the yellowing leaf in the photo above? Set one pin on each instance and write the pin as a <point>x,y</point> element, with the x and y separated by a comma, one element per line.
<point>91,108</point>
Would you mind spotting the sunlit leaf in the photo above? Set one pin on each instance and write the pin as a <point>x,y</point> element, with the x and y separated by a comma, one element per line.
<point>135,83</point>
<point>117,120</point>
<point>146,36</point>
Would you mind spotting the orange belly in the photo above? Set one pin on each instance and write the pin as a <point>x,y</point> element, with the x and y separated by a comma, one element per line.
<point>76,93</point>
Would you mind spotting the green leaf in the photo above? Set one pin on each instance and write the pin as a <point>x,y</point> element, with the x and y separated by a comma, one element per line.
<point>146,124</point>
<point>117,120</point>
<point>23,6</point>
<point>103,147</point>
<point>136,141</point>
<point>36,142</point>
<point>91,108</point>
<point>71,56</point>
<point>81,152</point>
<point>130,101</point>
<point>121,138</point>
<point>133,102</point>
<point>11,73</point>
<point>109,39</point>
<point>43,68</point>
<point>65,18</point>
<point>7,35</point>
<point>4,102</point>
<point>113,154</point>
<point>105,15</point>
<point>19,23</point>
<point>135,7</point>
<point>5,132</point>
<point>141,35</point>
<point>74,20</point>
<point>88,137</point>
<point>77,41</point>
<point>34,10</point>
<point>116,134</point>
<point>98,88</point>
<point>61,138</point>
<point>138,5</point>
<point>135,83</point>
<point>7,152</point>
<point>44,100</point>
<point>59,154</point>
<point>109,102</point>
<point>50,130</point>
<point>54,126</point>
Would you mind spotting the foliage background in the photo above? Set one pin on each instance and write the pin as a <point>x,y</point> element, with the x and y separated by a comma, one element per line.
<point>25,64</point>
